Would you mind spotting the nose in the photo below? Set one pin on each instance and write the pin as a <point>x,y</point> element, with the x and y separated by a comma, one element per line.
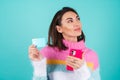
<point>77,23</point>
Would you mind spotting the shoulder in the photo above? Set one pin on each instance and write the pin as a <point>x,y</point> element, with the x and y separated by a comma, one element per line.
<point>91,58</point>
<point>91,54</point>
<point>45,51</point>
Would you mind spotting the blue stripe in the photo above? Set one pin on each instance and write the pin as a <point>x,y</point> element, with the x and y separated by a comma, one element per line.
<point>52,68</point>
<point>95,75</point>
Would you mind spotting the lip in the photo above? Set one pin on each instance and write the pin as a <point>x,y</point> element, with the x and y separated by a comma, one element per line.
<point>77,29</point>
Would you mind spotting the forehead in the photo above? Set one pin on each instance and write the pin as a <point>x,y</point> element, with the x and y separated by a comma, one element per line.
<point>69,14</point>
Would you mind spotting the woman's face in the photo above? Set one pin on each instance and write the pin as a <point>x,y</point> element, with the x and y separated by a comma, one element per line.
<point>70,25</point>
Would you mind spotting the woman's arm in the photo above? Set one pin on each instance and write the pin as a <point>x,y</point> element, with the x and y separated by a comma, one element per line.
<point>92,60</point>
<point>40,72</point>
<point>38,62</point>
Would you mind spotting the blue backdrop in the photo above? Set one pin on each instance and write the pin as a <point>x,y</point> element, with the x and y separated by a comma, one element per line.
<point>22,20</point>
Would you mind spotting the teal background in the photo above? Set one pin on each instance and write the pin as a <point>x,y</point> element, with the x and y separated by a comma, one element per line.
<point>22,20</point>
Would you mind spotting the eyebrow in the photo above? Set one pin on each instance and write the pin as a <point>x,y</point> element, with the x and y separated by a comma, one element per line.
<point>72,18</point>
<point>69,18</point>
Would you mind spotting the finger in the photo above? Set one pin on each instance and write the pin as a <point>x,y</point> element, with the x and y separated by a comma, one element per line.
<point>34,53</point>
<point>72,57</point>
<point>79,63</point>
<point>69,64</point>
<point>75,63</point>
<point>83,55</point>
<point>32,46</point>
<point>34,58</point>
<point>76,66</point>
<point>70,61</point>
<point>31,50</point>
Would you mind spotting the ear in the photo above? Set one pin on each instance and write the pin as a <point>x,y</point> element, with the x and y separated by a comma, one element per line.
<point>59,29</point>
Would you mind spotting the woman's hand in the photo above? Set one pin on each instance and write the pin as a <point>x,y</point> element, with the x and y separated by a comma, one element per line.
<point>74,62</point>
<point>34,53</point>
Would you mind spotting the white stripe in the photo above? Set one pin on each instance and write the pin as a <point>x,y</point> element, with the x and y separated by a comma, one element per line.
<point>80,74</point>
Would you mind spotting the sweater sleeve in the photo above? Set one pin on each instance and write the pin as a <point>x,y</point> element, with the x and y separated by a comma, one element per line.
<point>39,72</point>
<point>91,58</point>
<point>95,75</point>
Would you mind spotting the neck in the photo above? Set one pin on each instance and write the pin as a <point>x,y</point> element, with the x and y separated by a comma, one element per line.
<point>71,39</point>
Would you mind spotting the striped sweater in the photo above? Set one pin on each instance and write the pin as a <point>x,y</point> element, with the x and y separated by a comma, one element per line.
<point>53,66</point>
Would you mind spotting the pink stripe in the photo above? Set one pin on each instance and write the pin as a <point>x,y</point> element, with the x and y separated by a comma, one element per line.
<point>53,53</point>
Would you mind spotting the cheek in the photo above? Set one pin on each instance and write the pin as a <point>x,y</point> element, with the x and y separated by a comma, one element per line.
<point>68,29</point>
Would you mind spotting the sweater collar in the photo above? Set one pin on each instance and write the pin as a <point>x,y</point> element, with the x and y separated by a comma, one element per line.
<point>74,45</point>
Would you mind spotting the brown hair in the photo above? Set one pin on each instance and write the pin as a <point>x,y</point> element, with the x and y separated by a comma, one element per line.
<point>55,39</point>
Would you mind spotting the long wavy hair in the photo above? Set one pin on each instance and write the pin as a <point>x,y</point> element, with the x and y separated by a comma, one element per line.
<point>55,39</point>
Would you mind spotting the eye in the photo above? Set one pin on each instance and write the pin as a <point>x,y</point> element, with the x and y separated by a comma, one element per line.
<point>69,21</point>
<point>78,18</point>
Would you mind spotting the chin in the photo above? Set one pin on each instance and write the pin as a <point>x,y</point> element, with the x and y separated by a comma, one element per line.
<point>78,34</point>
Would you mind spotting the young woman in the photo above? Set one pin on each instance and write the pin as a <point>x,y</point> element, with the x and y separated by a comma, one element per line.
<point>65,33</point>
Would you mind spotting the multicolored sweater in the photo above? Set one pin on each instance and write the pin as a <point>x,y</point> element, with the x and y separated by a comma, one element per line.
<point>53,66</point>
